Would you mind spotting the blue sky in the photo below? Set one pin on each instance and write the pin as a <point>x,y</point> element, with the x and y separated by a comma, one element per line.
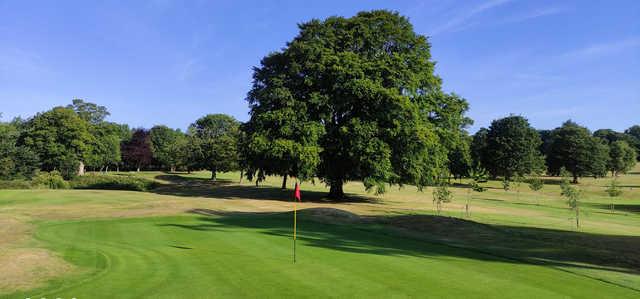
<point>170,62</point>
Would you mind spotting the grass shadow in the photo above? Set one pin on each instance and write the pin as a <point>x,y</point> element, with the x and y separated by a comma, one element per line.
<point>226,189</point>
<point>428,235</point>
<point>631,208</point>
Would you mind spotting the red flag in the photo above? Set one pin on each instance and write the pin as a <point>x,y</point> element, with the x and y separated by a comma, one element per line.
<point>296,193</point>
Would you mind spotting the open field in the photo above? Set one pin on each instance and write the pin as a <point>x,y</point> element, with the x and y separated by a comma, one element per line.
<point>192,238</point>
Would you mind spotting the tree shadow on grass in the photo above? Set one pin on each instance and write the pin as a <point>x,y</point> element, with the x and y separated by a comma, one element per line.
<point>428,235</point>
<point>630,208</point>
<point>227,189</point>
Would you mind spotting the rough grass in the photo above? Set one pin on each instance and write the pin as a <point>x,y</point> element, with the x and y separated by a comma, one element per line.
<point>528,235</point>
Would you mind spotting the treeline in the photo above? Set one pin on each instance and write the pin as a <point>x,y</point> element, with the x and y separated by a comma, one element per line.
<point>76,138</point>
<point>510,147</point>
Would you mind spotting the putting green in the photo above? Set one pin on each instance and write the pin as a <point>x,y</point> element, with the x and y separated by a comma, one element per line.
<point>249,255</point>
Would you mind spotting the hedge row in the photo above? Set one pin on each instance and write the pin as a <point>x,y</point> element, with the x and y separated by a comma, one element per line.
<point>53,180</point>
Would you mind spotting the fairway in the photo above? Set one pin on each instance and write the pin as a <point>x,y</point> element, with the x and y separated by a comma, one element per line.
<point>249,255</point>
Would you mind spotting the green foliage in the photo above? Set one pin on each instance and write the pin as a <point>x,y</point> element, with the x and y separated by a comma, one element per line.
<point>112,182</point>
<point>60,138</point>
<point>512,148</point>
<point>460,158</point>
<point>506,184</point>
<point>573,148</point>
<point>441,195</point>
<point>478,176</point>
<point>15,161</point>
<point>167,146</point>
<point>105,147</point>
<point>535,183</point>
<point>614,190</point>
<point>622,157</point>
<point>90,112</point>
<point>216,139</point>
<point>478,145</point>
<point>632,136</point>
<point>50,180</point>
<point>353,99</point>
<point>15,184</point>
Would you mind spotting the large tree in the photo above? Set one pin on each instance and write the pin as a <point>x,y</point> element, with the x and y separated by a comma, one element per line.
<point>622,157</point>
<point>15,161</point>
<point>136,152</point>
<point>359,97</point>
<point>60,138</point>
<point>217,135</point>
<point>573,148</point>
<point>167,146</point>
<point>105,148</point>
<point>512,148</point>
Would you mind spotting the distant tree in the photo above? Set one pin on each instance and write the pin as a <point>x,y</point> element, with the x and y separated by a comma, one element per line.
<point>632,136</point>
<point>136,152</point>
<point>478,147</point>
<point>358,95</point>
<point>167,146</point>
<point>460,158</point>
<point>608,135</point>
<point>15,161</point>
<point>573,148</point>
<point>622,157</point>
<point>217,136</point>
<point>59,138</point>
<point>105,147</point>
<point>90,112</point>
<point>545,137</point>
<point>512,148</point>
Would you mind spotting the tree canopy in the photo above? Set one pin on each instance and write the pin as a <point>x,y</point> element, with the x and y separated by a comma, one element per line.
<point>216,137</point>
<point>572,147</point>
<point>512,148</point>
<point>60,138</point>
<point>358,98</point>
<point>622,157</point>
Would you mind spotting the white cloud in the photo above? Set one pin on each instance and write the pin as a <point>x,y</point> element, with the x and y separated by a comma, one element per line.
<point>603,49</point>
<point>460,20</point>
<point>543,12</point>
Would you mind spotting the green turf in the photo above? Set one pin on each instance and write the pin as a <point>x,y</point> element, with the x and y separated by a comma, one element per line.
<point>249,255</point>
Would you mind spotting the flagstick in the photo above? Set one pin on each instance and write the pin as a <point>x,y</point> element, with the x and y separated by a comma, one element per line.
<point>295,219</point>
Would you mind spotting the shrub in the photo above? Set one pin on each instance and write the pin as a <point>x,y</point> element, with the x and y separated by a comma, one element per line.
<point>51,180</point>
<point>15,184</point>
<point>109,182</point>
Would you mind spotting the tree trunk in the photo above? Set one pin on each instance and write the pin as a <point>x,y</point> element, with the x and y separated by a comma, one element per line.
<point>81,168</point>
<point>284,182</point>
<point>335,191</point>
<point>213,175</point>
<point>577,217</point>
<point>575,178</point>
<point>241,175</point>
<point>106,170</point>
